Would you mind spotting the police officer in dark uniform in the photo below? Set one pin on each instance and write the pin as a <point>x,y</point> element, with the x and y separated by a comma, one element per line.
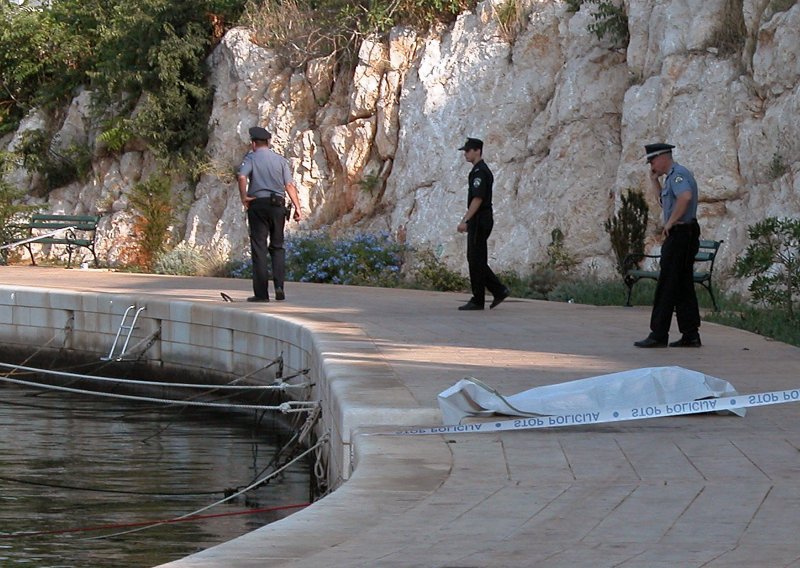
<point>477,223</point>
<point>675,289</point>
<point>264,181</point>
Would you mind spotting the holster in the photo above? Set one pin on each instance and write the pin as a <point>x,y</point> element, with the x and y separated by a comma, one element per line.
<point>288,211</point>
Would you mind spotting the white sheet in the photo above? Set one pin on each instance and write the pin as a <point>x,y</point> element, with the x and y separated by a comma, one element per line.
<point>628,389</point>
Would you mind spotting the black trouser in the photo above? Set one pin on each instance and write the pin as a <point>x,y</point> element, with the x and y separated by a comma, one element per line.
<point>481,276</point>
<point>675,289</point>
<point>266,223</point>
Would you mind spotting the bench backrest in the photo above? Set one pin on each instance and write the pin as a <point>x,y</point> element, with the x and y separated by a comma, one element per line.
<point>707,251</point>
<point>81,222</point>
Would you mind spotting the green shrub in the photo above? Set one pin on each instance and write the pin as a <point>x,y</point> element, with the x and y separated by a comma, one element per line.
<point>188,260</point>
<point>536,285</point>
<point>558,257</point>
<point>183,260</point>
<point>430,273</point>
<point>154,206</point>
<point>303,30</point>
<point>627,228</point>
<point>773,259</point>
<point>736,312</point>
<point>777,167</point>
<point>510,18</point>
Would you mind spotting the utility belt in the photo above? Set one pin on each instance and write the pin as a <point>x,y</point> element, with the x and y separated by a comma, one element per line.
<point>267,196</point>
<point>685,224</point>
<point>273,200</point>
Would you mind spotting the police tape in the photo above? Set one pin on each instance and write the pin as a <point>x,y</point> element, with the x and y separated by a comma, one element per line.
<point>614,415</point>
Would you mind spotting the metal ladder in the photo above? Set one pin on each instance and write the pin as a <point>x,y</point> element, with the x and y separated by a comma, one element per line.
<point>122,326</point>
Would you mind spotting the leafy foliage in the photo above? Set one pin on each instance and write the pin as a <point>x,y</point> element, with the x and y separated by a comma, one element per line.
<point>12,210</point>
<point>627,228</point>
<point>610,19</point>
<point>57,168</point>
<point>149,53</point>
<point>773,259</point>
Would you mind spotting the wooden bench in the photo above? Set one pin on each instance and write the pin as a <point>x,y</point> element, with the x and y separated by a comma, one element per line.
<point>74,231</point>
<point>706,255</point>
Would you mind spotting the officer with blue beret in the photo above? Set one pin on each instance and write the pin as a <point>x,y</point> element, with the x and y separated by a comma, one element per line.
<point>264,181</point>
<point>675,289</point>
<point>477,222</point>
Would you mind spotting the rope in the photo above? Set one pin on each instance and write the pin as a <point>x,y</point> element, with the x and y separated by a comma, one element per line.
<point>154,523</point>
<point>120,491</point>
<point>281,387</point>
<point>285,407</point>
<point>261,481</point>
<point>36,238</point>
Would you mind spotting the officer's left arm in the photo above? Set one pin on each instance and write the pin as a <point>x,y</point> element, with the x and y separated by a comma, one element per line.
<point>243,181</point>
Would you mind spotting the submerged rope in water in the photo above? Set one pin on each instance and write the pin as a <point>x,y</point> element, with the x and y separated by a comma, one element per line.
<point>319,444</point>
<point>153,523</point>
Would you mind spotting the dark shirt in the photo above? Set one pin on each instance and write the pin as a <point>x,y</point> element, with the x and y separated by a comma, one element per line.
<point>480,185</point>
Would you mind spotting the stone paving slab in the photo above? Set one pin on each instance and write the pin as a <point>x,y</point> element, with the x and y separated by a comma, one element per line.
<point>705,490</point>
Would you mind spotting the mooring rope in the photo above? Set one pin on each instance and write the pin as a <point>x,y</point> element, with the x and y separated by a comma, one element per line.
<point>281,387</point>
<point>36,238</point>
<point>285,407</point>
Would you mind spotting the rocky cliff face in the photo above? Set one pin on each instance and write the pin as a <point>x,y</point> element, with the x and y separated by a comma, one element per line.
<point>564,117</point>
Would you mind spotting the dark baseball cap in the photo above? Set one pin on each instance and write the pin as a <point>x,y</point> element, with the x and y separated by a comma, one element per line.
<point>472,144</point>
<point>653,150</point>
<point>258,133</point>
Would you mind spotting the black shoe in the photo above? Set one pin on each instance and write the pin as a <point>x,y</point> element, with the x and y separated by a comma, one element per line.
<point>650,342</point>
<point>257,299</point>
<point>470,306</point>
<point>687,342</point>
<point>500,297</point>
<point>279,295</point>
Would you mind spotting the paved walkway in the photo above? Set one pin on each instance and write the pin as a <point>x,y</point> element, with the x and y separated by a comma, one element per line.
<point>682,491</point>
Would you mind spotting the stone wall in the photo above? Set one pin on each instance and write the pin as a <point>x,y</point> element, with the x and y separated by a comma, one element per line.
<point>564,117</point>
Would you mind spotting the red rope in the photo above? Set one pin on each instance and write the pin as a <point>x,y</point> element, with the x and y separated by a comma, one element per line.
<point>144,523</point>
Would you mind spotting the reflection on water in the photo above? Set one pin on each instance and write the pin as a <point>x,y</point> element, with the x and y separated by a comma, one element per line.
<point>69,462</point>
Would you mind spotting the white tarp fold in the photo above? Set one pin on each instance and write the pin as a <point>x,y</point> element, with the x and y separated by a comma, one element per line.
<point>628,389</point>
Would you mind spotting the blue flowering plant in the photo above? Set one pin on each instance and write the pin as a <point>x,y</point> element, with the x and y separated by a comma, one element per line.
<point>360,259</point>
